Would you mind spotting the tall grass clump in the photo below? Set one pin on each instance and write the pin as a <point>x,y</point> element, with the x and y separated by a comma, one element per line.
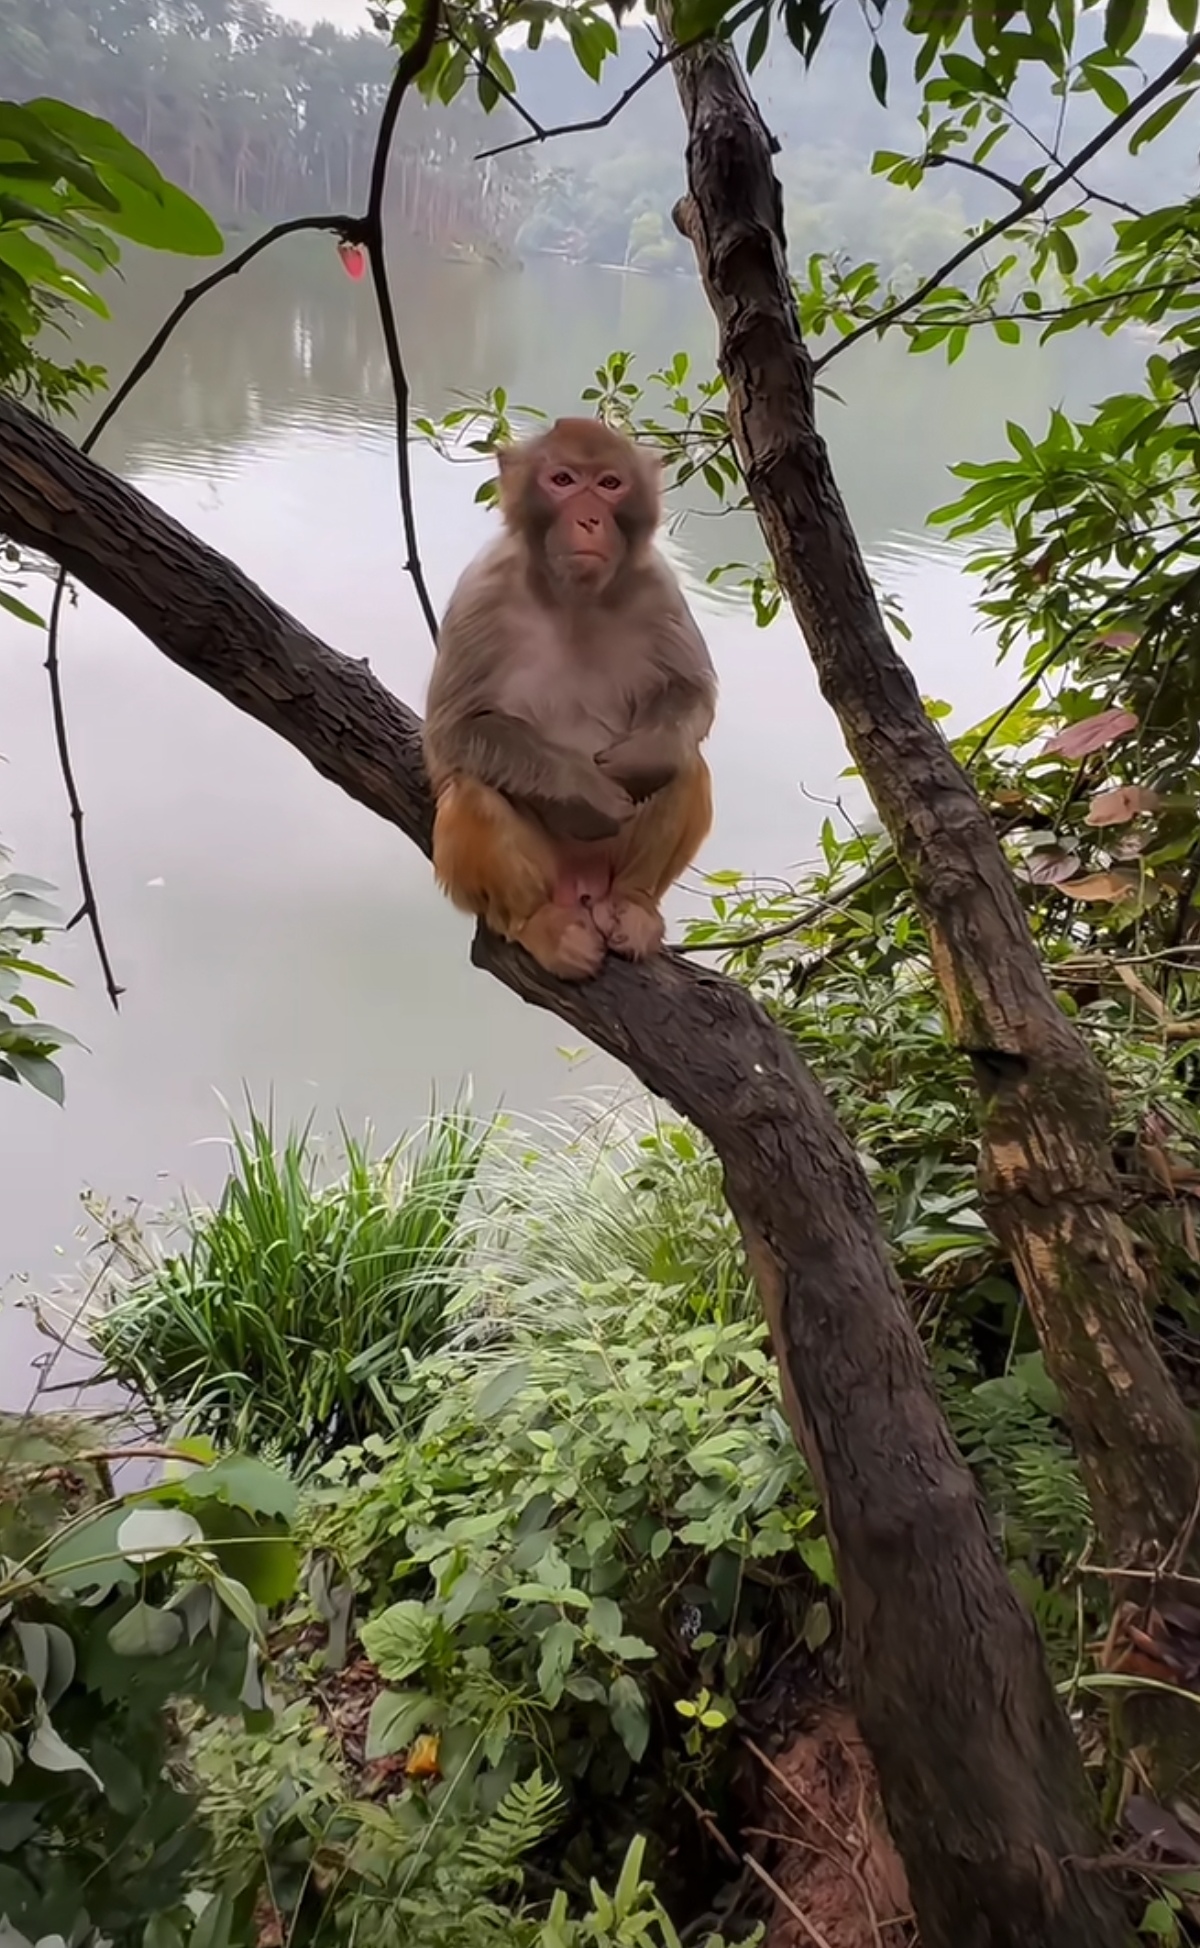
<point>290,1319</point>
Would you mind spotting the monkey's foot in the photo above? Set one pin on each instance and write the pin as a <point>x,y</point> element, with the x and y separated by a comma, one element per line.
<point>632,930</point>
<point>565,941</point>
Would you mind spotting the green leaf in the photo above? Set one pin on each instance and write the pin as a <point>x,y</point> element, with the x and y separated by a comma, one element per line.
<point>397,1641</point>
<point>501,1389</point>
<point>213,1928</point>
<point>630,1718</point>
<point>879,75</point>
<point>40,1073</point>
<point>13,607</point>
<point>245,1482</point>
<point>1183,13</point>
<point>605,1622</point>
<point>160,1932</point>
<point>396,1718</point>
<point>759,39</point>
<point>238,1601</point>
<point>1107,88</point>
<point>49,1655</point>
<point>52,1753</point>
<point>1124,24</point>
<point>557,1656</point>
<point>818,1556</point>
<point>149,1532</point>
<point>1161,119</point>
<point>146,1632</point>
<point>89,1558</point>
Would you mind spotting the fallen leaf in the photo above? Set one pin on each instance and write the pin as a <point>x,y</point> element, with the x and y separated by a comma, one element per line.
<point>1091,734</point>
<point>1124,802</point>
<point>1100,886</point>
<point>423,1758</point>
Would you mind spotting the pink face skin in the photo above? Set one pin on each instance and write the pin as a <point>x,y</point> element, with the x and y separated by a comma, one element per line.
<point>585,540</point>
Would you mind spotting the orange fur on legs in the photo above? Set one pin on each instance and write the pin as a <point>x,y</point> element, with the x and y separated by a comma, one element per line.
<point>658,844</point>
<point>500,865</point>
<point>566,905</point>
<point>489,858</point>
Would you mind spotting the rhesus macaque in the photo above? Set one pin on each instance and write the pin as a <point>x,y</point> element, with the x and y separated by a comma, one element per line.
<point>570,696</point>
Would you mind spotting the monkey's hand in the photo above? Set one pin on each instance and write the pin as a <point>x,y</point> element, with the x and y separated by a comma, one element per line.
<point>581,803</point>
<point>641,763</point>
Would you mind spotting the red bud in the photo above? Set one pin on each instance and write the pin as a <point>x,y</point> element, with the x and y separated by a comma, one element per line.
<point>353,257</point>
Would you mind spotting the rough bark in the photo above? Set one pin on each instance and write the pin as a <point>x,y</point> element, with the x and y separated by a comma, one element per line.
<point>979,1772</point>
<point>1049,1188</point>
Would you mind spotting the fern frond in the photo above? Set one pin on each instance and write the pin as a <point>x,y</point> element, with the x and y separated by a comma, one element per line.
<point>528,1811</point>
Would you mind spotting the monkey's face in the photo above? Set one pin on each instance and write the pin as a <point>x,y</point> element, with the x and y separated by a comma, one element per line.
<point>585,537</point>
<point>585,499</point>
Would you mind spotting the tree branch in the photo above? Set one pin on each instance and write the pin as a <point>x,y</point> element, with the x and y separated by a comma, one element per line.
<point>880,323</point>
<point>539,134</point>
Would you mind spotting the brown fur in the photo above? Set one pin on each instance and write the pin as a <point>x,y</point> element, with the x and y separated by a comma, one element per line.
<point>569,699</point>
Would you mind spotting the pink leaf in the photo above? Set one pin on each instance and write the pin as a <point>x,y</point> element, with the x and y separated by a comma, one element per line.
<point>1048,865</point>
<point>1091,734</point>
<point>1101,886</point>
<point>1124,802</point>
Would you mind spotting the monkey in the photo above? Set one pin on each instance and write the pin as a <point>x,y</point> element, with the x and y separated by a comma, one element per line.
<point>570,695</point>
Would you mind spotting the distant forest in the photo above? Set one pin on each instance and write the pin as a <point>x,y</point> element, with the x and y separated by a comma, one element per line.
<point>261,118</point>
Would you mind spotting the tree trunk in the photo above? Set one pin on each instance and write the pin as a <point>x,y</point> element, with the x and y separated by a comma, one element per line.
<point>1049,1187</point>
<point>980,1776</point>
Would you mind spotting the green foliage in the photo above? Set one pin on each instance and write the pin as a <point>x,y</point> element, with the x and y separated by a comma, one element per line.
<point>112,1609</point>
<point>28,1045</point>
<point>289,1319</point>
<point>70,186</point>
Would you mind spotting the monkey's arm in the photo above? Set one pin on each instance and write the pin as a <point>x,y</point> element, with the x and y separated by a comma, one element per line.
<point>570,797</point>
<point>672,716</point>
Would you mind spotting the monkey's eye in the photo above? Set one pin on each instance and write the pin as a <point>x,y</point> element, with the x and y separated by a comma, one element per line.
<point>562,478</point>
<point>610,482</point>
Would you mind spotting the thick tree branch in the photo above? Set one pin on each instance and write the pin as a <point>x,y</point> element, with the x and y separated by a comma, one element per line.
<point>945,1666</point>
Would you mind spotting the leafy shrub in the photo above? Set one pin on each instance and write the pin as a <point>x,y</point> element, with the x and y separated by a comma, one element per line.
<point>113,1607</point>
<point>27,1046</point>
<point>289,1321</point>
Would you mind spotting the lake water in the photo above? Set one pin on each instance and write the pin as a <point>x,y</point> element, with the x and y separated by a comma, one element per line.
<point>271,934</point>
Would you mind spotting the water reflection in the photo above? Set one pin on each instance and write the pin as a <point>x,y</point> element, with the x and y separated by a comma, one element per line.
<point>270,931</point>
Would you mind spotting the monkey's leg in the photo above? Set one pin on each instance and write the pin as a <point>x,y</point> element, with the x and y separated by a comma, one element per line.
<point>495,862</point>
<point>657,845</point>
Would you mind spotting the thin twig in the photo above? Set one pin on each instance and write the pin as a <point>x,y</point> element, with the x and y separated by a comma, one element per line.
<point>1014,189</point>
<point>411,63</point>
<point>1028,207</point>
<point>89,909</point>
<point>538,134</point>
<point>810,1928</point>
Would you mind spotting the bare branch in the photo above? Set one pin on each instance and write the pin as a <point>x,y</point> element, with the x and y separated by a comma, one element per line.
<point>657,63</point>
<point>88,910</point>
<point>1070,169</point>
<point>410,66</point>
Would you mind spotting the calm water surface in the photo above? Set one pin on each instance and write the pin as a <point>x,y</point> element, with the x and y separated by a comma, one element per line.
<point>270,933</point>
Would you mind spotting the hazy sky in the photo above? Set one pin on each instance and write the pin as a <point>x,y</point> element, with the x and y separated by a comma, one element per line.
<point>353,13</point>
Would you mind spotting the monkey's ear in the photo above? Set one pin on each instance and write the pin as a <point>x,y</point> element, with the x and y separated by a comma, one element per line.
<point>513,464</point>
